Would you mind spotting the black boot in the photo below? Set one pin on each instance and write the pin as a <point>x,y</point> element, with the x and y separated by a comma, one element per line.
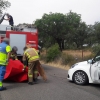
<point>2,88</point>
<point>35,80</point>
<point>30,83</point>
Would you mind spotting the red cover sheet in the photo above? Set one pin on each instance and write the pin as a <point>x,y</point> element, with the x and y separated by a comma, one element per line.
<point>14,71</point>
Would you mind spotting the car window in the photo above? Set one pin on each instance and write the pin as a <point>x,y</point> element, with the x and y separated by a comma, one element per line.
<point>97,58</point>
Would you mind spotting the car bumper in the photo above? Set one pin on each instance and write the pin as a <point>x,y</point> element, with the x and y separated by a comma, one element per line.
<point>70,75</point>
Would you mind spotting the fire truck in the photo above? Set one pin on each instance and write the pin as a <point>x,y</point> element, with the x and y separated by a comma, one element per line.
<point>20,36</point>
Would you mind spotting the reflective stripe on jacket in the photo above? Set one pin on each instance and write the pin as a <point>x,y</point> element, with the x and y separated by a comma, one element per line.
<point>3,53</point>
<point>31,54</point>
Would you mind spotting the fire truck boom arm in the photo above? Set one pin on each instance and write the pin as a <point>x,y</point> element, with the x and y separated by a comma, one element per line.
<point>2,18</point>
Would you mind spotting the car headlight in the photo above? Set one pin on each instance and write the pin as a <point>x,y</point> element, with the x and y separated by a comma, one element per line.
<point>74,65</point>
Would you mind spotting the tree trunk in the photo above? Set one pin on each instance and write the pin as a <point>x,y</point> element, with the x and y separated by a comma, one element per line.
<point>63,44</point>
<point>59,41</point>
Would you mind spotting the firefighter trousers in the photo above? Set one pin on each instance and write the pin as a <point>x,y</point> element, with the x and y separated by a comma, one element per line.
<point>32,70</point>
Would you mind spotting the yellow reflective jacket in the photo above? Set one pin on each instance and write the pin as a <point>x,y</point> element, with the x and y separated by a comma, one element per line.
<point>4,50</point>
<point>31,55</point>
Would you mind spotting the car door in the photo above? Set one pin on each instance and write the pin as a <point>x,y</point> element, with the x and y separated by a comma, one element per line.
<point>95,71</point>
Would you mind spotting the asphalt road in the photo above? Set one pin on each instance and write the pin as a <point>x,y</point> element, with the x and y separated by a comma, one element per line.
<point>56,88</point>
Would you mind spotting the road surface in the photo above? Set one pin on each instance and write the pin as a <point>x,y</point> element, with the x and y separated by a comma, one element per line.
<point>56,88</point>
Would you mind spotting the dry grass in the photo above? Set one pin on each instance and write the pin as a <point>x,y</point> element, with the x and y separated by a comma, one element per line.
<point>74,53</point>
<point>77,53</point>
<point>58,65</point>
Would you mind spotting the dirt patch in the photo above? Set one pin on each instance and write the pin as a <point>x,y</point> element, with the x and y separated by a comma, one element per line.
<point>57,65</point>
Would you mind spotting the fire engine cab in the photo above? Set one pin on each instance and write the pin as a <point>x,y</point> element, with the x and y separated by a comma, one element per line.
<point>19,37</point>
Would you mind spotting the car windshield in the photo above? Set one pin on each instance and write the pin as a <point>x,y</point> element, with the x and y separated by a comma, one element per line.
<point>97,57</point>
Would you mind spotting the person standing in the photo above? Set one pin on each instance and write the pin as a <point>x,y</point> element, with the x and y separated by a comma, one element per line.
<point>11,21</point>
<point>5,50</point>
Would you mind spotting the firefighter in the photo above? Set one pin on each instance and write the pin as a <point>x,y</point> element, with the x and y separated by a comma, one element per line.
<point>32,56</point>
<point>35,72</point>
<point>5,50</point>
<point>14,53</point>
<point>10,19</point>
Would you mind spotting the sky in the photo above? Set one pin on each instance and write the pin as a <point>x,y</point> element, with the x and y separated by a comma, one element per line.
<point>27,11</point>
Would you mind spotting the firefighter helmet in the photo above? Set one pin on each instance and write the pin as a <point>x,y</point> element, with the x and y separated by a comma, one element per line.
<point>14,48</point>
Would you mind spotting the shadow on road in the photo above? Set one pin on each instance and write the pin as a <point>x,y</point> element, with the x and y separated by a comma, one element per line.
<point>87,85</point>
<point>46,67</point>
<point>12,85</point>
<point>95,85</point>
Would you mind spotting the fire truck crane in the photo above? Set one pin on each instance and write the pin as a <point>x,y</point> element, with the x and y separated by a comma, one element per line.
<point>20,36</point>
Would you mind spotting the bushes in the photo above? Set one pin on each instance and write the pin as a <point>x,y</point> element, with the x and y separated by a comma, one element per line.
<point>67,59</point>
<point>96,49</point>
<point>52,53</point>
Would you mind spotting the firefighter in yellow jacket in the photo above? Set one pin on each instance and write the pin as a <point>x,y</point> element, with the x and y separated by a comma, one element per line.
<point>30,55</point>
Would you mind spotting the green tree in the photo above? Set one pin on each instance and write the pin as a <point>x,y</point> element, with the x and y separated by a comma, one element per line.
<point>73,21</point>
<point>80,35</point>
<point>77,30</point>
<point>52,25</point>
<point>3,5</point>
<point>91,36</point>
<point>58,26</point>
<point>97,31</point>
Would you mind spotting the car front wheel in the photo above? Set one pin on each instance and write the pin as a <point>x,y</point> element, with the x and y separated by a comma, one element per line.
<point>80,78</point>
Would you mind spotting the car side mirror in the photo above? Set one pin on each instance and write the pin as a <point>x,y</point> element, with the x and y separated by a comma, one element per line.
<point>90,61</point>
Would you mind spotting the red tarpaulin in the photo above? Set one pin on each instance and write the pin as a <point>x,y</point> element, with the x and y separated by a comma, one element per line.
<point>14,71</point>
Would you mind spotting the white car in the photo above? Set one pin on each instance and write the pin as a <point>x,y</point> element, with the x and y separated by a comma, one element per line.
<point>85,72</point>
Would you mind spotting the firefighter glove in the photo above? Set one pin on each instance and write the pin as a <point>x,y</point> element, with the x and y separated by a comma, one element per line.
<point>24,67</point>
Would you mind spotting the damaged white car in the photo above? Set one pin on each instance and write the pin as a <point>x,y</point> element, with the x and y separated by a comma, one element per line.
<point>85,72</point>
